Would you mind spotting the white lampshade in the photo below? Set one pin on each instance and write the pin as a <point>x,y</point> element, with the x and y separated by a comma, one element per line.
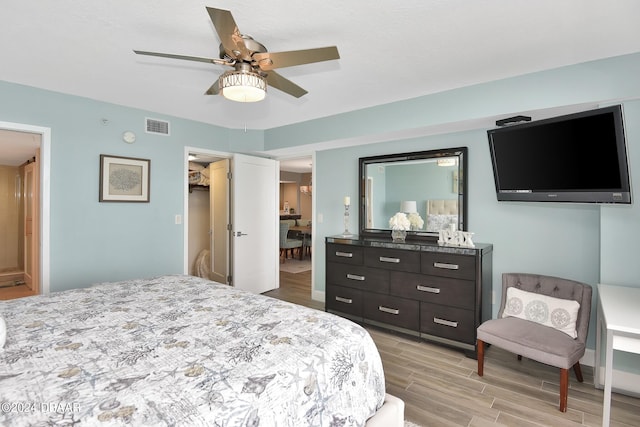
<point>243,86</point>
<point>448,161</point>
<point>408,206</point>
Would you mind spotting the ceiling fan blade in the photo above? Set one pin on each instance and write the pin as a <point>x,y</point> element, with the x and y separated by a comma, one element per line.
<point>271,60</point>
<point>277,81</point>
<point>229,34</point>
<point>185,57</point>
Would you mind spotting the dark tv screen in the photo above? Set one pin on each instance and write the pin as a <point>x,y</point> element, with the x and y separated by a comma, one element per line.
<point>579,158</point>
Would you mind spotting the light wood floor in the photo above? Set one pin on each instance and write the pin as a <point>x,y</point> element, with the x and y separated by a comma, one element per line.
<point>440,386</point>
<point>13,292</point>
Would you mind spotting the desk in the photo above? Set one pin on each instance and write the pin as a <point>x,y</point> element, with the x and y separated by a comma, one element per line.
<point>619,319</point>
<point>305,232</point>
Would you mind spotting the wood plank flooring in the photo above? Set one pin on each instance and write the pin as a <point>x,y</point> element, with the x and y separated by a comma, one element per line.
<point>440,386</point>
<point>12,292</point>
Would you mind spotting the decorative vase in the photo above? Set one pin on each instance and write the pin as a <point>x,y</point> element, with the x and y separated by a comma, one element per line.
<point>399,235</point>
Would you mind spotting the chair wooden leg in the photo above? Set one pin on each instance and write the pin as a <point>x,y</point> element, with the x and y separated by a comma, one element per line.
<point>480,358</point>
<point>564,389</point>
<point>578,371</point>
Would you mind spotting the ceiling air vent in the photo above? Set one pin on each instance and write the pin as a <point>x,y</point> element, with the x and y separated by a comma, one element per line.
<point>158,127</point>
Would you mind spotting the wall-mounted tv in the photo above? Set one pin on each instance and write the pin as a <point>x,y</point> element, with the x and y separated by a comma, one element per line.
<point>580,158</point>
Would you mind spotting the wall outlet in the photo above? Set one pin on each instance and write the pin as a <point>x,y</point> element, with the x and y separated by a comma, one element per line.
<point>178,219</point>
<point>493,297</point>
<point>320,218</point>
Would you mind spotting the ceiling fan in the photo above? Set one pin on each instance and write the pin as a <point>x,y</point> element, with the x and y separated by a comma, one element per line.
<point>253,64</point>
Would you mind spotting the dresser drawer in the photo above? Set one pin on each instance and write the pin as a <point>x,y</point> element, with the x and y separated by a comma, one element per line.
<point>359,277</point>
<point>345,254</point>
<point>392,259</point>
<point>346,300</point>
<point>434,289</point>
<point>449,265</point>
<point>394,311</point>
<point>453,323</point>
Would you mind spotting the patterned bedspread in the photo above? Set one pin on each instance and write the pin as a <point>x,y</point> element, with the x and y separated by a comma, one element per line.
<point>182,351</point>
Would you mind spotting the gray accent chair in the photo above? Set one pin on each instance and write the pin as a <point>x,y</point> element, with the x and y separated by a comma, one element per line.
<point>535,341</point>
<point>287,244</point>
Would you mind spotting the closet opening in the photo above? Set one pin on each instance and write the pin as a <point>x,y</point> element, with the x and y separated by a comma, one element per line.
<point>208,217</point>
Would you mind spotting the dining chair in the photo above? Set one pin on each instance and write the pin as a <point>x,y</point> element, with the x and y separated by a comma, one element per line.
<point>287,244</point>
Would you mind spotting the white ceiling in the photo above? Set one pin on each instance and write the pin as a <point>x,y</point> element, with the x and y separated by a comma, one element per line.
<point>390,50</point>
<point>17,147</point>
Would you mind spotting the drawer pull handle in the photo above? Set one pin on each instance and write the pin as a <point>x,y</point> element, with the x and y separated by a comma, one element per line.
<point>428,289</point>
<point>388,310</point>
<point>445,322</point>
<point>344,300</point>
<point>344,254</point>
<point>355,277</point>
<point>391,260</point>
<point>445,265</point>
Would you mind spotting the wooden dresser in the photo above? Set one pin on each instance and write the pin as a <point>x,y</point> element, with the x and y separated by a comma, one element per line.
<point>439,293</point>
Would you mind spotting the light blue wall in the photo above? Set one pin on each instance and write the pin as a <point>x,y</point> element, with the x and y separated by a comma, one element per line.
<point>568,240</point>
<point>620,225</point>
<point>610,79</point>
<point>620,230</point>
<point>554,239</point>
<point>93,241</point>
<point>417,182</point>
<point>392,184</point>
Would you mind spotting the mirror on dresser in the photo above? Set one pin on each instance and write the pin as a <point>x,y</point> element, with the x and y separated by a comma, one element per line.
<point>429,183</point>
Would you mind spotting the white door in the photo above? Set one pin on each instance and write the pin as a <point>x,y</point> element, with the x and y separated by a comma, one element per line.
<point>220,220</point>
<point>254,241</point>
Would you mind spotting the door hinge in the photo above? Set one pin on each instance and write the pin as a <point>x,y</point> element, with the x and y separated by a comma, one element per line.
<point>229,175</point>
<point>229,227</point>
<point>230,280</point>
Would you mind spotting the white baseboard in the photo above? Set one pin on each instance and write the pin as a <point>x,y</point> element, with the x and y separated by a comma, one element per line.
<point>317,295</point>
<point>623,382</point>
<point>589,358</point>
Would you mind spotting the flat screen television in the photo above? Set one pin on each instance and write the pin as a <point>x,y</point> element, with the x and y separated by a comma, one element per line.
<point>580,158</point>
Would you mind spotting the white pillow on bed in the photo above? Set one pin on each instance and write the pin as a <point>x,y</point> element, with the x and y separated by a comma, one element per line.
<point>3,332</point>
<point>440,222</point>
<point>557,313</point>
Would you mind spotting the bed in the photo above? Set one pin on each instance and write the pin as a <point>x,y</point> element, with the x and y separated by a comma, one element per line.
<point>185,351</point>
<point>441,213</point>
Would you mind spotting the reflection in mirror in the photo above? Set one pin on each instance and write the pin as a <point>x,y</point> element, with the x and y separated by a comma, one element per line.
<point>428,186</point>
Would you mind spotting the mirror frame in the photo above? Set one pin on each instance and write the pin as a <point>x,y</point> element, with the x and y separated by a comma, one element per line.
<point>460,152</point>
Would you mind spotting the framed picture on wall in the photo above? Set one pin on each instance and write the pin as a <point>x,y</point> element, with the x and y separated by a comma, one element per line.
<point>124,179</point>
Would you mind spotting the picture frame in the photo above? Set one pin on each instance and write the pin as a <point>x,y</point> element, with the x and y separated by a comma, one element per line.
<point>124,179</point>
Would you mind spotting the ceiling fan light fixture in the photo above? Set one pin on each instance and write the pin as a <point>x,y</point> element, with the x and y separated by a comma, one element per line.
<point>243,86</point>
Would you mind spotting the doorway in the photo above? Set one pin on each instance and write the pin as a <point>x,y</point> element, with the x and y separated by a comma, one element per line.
<point>24,252</point>
<point>248,222</point>
<point>296,188</point>
<point>199,216</point>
